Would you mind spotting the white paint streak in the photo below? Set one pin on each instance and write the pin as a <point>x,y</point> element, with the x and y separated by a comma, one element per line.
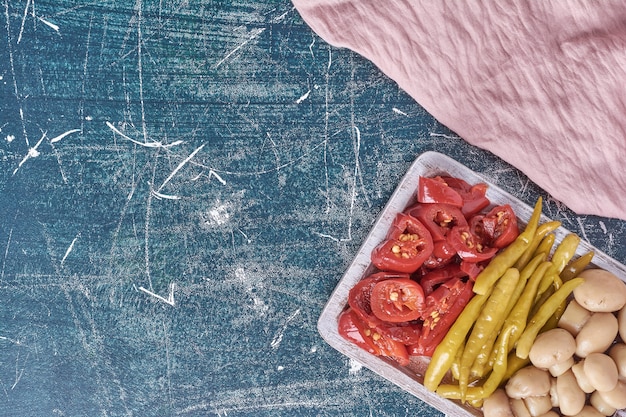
<point>170,298</point>
<point>282,16</point>
<point>398,111</point>
<point>164,196</point>
<point>582,228</point>
<point>8,339</point>
<point>278,337</point>
<point>228,55</point>
<point>18,372</point>
<point>41,19</point>
<point>32,153</point>
<point>357,151</point>
<point>303,97</point>
<point>19,36</point>
<point>6,253</point>
<point>69,249</point>
<point>441,135</point>
<point>215,174</point>
<point>62,135</point>
<point>152,144</point>
<point>49,24</point>
<point>355,367</point>
<point>178,168</point>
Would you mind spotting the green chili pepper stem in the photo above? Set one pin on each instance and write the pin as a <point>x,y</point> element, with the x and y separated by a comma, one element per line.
<point>546,310</point>
<point>509,255</point>
<point>446,350</point>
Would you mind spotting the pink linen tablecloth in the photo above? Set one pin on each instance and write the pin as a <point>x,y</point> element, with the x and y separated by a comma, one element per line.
<point>541,84</point>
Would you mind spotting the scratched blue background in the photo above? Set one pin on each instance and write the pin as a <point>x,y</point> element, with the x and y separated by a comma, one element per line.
<point>182,185</point>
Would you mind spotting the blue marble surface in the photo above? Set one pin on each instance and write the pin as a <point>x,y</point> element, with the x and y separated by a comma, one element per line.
<point>182,185</point>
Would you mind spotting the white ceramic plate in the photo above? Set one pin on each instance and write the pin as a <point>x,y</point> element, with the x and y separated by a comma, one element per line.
<point>410,378</point>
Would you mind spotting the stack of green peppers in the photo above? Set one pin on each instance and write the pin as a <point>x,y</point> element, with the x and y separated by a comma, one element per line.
<point>521,293</point>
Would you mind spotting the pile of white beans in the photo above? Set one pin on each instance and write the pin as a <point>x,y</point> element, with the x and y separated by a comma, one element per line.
<point>579,368</point>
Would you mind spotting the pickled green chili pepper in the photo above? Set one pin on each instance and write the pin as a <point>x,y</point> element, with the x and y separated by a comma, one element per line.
<point>496,377</point>
<point>545,246</point>
<point>514,364</point>
<point>564,252</point>
<point>576,266</point>
<point>542,230</point>
<point>479,367</point>
<point>518,317</point>
<point>499,367</point>
<point>446,350</point>
<point>509,255</point>
<point>487,322</point>
<point>455,368</point>
<point>550,278</point>
<point>544,313</point>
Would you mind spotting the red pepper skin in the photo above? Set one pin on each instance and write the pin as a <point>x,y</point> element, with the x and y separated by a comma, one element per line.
<point>443,307</point>
<point>397,300</point>
<point>432,279</point>
<point>500,225</point>
<point>472,269</point>
<point>474,196</point>
<point>407,246</point>
<point>468,246</point>
<point>443,255</point>
<point>360,302</point>
<point>353,329</point>
<point>438,218</point>
<point>436,190</point>
<point>359,297</point>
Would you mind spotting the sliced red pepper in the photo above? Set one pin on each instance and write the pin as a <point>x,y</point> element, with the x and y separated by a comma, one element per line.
<point>353,329</point>
<point>471,269</point>
<point>468,246</point>
<point>360,295</point>
<point>474,196</point>
<point>443,307</point>
<point>397,300</point>
<point>359,300</point>
<point>438,218</point>
<point>436,277</point>
<point>436,190</point>
<point>500,225</point>
<point>443,254</point>
<point>407,246</point>
<point>391,349</point>
<point>406,333</point>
